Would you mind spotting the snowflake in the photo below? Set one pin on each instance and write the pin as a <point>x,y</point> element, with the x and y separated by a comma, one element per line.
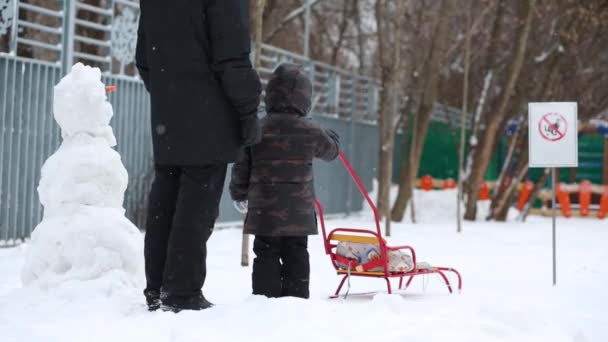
<point>124,37</point>
<point>6,16</point>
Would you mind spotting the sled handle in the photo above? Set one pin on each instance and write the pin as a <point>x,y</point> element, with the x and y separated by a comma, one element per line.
<point>322,219</point>
<point>362,189</point>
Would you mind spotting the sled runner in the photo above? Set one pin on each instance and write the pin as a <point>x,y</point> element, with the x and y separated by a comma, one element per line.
<point>343,245</point>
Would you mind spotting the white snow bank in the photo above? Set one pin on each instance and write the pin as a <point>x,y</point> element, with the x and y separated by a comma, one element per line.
<point>436,206</point>
<point>80,104</point>
<point>84,235</point>
<point>507,294</point>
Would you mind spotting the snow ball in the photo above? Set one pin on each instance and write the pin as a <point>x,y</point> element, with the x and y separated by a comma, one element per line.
<point>84,171</point>
<point>85,244</point>
<point>80,104</point>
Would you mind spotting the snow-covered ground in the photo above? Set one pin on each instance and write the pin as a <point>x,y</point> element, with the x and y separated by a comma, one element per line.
<point>507,292</point>
<point>79,278</point>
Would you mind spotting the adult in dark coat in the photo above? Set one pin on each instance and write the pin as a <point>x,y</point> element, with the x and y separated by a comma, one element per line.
<point>193,57</point>
<point>276,178</point>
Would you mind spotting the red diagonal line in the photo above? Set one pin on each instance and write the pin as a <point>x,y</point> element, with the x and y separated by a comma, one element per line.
<point>561,135</point>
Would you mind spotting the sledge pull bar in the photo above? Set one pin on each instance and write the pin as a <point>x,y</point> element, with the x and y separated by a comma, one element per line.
<point>361,188</point>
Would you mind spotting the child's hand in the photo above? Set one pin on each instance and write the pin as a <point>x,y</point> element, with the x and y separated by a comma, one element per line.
<point>241,206</point>
<point>333,135</point>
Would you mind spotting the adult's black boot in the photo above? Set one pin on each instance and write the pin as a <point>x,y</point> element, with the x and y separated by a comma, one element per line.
<point>178,303</point>
<point>152,299</point>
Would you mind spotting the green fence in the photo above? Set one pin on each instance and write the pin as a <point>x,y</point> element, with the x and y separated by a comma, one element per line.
<point>440,153</point>
<point>590,162</point>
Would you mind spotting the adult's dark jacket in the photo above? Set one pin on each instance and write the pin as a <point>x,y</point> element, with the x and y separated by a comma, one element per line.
<point>193,56</point>
<point>276,175</point>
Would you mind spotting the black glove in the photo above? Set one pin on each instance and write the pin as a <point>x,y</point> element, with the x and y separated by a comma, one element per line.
<point>334,136</point>
<point>251,132</point>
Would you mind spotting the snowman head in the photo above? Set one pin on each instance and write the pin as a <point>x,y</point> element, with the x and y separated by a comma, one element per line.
<point>80,104</point>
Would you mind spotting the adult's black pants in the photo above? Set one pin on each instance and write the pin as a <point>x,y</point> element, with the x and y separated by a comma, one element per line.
<point>183,207</point>
<point>281,267</point>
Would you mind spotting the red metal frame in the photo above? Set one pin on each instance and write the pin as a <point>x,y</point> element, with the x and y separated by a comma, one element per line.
<point>384,249</point>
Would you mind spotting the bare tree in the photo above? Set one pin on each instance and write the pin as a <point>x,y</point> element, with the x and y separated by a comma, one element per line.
<point>259,24</point>
<point>430,90</point>
<point>482,157</point>
<point>463,117</point>
<point>565,47</point>
<point>360,38</point>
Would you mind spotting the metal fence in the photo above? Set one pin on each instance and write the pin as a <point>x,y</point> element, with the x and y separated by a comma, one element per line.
<point>30,135</point>
<point>41,39</point>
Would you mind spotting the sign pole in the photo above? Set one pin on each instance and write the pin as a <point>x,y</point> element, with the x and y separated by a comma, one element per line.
<point>553,143</point>
<point>553,207</point>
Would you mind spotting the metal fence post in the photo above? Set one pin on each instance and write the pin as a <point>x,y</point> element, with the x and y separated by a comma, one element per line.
<point>14,28</point>
<point>334,97</point>
<point>351,142</point>
<point>311,66</point>
<point>69,16</point>
<point>373,100</point>
<point>111,67</point>
<point>307,29</point>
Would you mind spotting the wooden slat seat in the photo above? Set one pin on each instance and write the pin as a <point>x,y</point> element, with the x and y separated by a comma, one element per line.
<point>355,238</point>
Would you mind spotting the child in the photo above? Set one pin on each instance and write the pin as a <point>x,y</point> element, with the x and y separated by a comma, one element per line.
<point>274,179</point>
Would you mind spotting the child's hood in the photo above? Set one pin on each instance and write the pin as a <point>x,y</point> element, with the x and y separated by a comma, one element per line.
<point>289,90</point>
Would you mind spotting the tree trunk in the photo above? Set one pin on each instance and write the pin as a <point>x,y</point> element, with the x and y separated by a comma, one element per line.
<point>407,117</point>
<point>510,153</point>
<point>504,200</point>
<point>481,160</point>
<point>392,128</point>
<point>540,184</point>
<point>605,177</point>
<point>342,31</point>
<point>259,24</point>
<point>425,109</point>
<point>490,65</point>
<point>360,39</point>
<point>295,14</point>
<point>463,118</point>
<point>390,95</point>
<point>384,157</point>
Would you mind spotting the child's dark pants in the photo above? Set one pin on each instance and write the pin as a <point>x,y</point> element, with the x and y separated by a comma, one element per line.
<point>281,267</point>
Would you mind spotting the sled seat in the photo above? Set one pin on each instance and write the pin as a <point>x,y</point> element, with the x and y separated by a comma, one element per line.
<point>355,238</point>
<point>364,273</point>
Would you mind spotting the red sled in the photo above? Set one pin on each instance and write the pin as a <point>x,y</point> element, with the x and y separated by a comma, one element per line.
<point>379,267</point>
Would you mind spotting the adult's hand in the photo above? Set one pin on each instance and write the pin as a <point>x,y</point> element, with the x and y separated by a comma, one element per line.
<point>251,132</point>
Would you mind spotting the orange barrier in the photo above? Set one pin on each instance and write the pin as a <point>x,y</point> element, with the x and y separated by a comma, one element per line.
<point>584,198</point>
<point>484,192</point>
<point>603,211</point>
<point>526,190</point>
<point>449,184</point>
<point>564,200</point>
<point>426,183</point>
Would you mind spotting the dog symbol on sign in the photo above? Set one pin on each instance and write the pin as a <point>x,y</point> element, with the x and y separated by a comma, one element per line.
<point>553,126</point>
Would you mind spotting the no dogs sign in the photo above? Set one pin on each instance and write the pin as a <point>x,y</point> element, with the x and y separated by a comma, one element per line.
<point>553,134</point>
<point>553,126</point>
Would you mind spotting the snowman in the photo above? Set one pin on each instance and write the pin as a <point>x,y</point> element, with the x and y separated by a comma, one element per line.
<point>84,235</point>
